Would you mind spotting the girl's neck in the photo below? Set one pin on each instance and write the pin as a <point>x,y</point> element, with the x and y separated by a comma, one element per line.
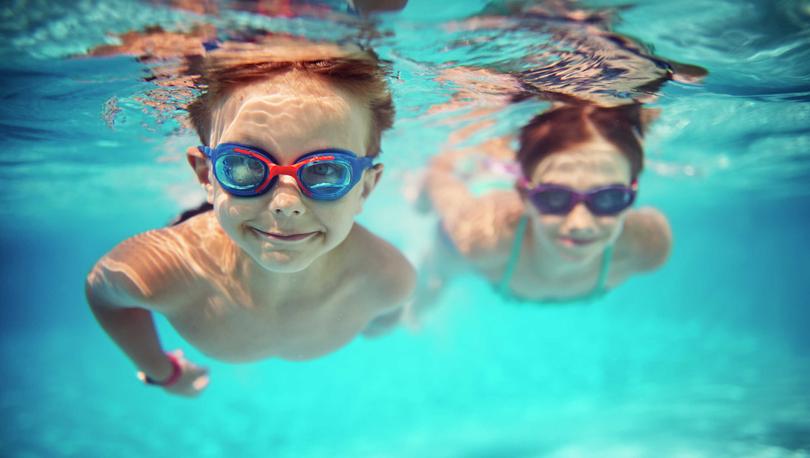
<point>547,262</point>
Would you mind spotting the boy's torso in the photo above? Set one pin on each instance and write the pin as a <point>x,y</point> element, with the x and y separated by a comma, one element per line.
<point>266,327</point>
<point>230,315</point>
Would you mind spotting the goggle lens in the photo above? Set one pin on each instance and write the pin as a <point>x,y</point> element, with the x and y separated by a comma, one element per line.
<point>554,201</point>
<point>609,201</point>
<point>326,177</point>
<point>239,172</point>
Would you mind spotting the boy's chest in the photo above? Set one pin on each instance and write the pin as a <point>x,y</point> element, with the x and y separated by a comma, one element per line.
<point>227,328</point>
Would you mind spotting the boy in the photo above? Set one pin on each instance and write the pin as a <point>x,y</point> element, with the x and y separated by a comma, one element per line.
<point>278,268</point>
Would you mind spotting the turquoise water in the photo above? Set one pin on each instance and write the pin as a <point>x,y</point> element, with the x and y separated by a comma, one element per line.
<point>707,357</point>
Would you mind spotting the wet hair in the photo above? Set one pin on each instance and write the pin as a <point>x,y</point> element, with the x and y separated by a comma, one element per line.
<point>357,71</point>
<point>561,128</point>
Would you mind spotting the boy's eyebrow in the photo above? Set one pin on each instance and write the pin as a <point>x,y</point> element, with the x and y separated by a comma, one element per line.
<point>247,140</point>
<point>325,149</point>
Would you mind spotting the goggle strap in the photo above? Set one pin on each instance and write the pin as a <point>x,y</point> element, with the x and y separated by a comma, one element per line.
<point>206,150</point>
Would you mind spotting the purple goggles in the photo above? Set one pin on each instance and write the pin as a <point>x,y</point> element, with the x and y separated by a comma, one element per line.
<point>552,199</point>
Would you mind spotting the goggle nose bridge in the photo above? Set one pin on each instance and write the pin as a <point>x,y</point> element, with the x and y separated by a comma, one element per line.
<point>274,170</point>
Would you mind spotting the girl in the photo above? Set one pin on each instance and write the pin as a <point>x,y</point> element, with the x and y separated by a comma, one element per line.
<point>565,230</point>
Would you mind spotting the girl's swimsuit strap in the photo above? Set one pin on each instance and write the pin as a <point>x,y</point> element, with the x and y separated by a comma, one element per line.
<point>601,283</point>
<point>514,256</point>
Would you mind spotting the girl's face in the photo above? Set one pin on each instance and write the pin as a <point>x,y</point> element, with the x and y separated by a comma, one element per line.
<point>580,235</point>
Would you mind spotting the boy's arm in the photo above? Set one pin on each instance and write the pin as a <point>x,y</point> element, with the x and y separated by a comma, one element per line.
<point>382,324</point>
<point>122,290</point>
<point>131,327</point>
<point>393,286</point>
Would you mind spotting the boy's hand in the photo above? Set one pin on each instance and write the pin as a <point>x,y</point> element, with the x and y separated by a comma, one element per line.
<point>193,379</point>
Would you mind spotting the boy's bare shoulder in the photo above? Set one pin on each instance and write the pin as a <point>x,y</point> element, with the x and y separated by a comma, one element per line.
<point>156,269</point>
<point>646,239</point>
<point>384,273</point>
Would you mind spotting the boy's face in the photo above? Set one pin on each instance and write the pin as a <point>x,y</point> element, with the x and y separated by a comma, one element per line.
<point>289,116</point>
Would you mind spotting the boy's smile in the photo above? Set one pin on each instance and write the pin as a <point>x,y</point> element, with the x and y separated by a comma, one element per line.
<point>289,237</point>
<point>289,115</point>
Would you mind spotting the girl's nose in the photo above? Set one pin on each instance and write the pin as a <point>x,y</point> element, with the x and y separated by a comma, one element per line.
<point>579,222</point>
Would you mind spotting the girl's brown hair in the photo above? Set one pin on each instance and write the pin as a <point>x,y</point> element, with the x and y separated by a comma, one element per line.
<point>560,128</point>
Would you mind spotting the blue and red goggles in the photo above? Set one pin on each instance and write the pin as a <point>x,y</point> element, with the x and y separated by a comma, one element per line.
<point>553,199</point>
<point>247,171</point>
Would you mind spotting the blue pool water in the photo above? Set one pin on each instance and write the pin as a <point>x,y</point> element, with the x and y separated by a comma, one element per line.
<point>707,357</point>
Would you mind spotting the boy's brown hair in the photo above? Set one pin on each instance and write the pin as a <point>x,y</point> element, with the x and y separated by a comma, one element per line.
<point>563,127</point>
<point>357,71</point>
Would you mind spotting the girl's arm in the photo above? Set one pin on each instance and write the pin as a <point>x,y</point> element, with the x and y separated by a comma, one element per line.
<point>478,226</point>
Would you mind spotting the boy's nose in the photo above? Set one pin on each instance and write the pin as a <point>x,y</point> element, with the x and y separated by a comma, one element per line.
<point>286,199</point>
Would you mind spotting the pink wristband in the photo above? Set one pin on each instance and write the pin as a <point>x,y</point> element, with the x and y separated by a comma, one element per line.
<point>177,371</point>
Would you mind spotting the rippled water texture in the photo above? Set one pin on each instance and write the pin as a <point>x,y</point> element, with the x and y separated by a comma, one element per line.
<point>707,357</point>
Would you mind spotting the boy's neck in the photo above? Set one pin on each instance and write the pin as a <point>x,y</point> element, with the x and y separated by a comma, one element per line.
<point>281,284</point>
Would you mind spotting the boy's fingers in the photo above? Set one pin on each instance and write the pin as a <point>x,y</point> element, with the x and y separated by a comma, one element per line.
<point>200,383</point>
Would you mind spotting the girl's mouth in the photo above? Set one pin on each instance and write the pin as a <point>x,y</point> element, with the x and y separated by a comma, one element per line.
<point>570,241</point>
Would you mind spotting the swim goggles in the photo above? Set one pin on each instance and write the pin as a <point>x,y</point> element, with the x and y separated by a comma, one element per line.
<point>555,199</point>
<point>247,171</point>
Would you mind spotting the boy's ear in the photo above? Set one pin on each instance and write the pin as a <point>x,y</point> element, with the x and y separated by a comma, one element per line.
<point>648,116</point>
<point>199,163</point>
<point>371,179</point>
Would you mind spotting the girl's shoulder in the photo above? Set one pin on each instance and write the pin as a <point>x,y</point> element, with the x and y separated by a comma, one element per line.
<point>646,240</point>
